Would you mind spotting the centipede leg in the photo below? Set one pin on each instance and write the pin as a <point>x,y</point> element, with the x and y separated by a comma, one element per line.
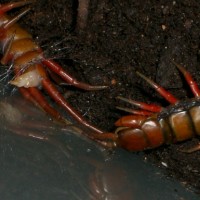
<point>144,106</point>
<point>26,94</point>
<point>54,93</point>
<point>192,149</point>
<point>34,95</point>
<point>135,112</point>
<point>55,67</point>
<point>167,95</point>
<point>9,6</point>
<point>193,85</point>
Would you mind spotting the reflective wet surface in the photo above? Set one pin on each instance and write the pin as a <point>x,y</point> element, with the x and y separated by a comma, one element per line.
<point>44,160</point>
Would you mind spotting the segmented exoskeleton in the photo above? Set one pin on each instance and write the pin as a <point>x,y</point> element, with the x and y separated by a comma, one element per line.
<point>30,66</point>
<point>147,128</point>
<point>153,125</point>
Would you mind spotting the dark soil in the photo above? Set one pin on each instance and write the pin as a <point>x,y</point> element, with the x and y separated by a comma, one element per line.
<point>121,37</point>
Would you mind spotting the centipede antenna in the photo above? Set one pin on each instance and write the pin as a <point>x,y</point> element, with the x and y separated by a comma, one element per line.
<point>15,19</point>
<point>193,85</point>
<point>167,95</point>
<point>9,6</point>
<point>145,106</point>
<point>135,112</point>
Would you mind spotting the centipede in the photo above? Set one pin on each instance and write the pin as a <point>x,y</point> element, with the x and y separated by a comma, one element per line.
<point>152,125</point>
<point>31,68</point>
<point>148,127</point>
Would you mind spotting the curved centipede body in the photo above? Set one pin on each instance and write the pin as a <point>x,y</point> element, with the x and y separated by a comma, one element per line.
<point>30,67</point>
<point>147,128</point>
<point>173,124</point>
<point>152,126</point>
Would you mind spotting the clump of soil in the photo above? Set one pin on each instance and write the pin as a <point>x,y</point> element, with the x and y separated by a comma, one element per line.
<point>122,37</point>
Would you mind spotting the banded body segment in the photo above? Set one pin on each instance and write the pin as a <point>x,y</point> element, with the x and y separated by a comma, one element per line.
<point>19,49</point>
<point>15,30</point>
<point>181,123</point>
<point>177,127</point>
<point>182,126</point>
<point>195,115</point>
<point>30,67</point>
<point>152,125</point>
<point>146,134</point>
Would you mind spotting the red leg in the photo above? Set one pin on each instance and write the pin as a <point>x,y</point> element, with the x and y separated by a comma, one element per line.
<point>14,20</point>
<point>167,95</point>
<point>34,95</point>
<point>6,26</point>
<point>192,149</point>
<point>9,6</point>
<point>53,66</point>
<point>54,93</point>
<point>145,106</point>
<point>135,112</point>
<point>26,94</point>
<point>193,85</point>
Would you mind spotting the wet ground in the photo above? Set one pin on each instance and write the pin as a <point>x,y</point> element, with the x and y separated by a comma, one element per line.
<point>119,38</point>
